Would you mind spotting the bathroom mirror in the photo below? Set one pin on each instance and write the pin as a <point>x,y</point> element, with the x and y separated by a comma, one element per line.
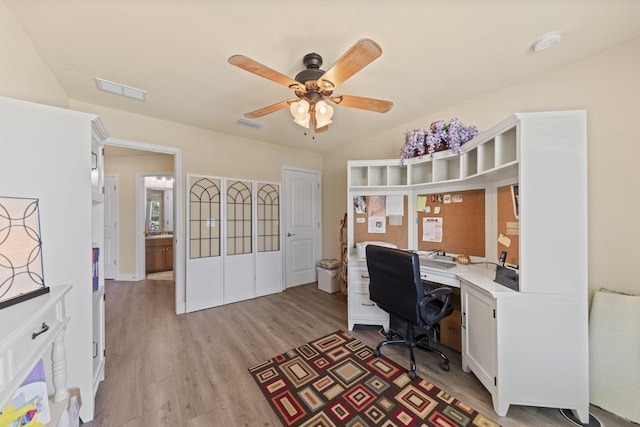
<point>155,210</point>
<point>159,204</point>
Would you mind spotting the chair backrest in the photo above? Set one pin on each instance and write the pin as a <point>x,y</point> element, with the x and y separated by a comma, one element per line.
<point>394,282</point>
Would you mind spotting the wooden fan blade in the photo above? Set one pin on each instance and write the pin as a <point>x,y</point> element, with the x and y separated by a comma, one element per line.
<point>355,59</point>
<point>255,67</point>
<point>268,110</point>
<point>370,104</point>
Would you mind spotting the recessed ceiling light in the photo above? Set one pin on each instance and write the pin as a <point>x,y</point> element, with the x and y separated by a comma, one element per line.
<point>122,90</point>
<point>249,123</point>
<point>547,40</point>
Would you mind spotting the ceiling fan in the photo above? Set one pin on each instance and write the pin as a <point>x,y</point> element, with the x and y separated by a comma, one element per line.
<point>314,87</point>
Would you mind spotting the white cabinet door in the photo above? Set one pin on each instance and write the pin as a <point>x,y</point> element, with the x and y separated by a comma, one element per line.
<point>479,351</point>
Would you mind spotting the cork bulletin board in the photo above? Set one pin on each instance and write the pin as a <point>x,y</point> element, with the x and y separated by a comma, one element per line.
<point>463,222</point>
<point>396,234</point>
<point>508,224</point>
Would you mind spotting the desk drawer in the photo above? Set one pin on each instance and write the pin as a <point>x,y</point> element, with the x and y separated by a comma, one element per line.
<point>25,344</point>
<point>440,278</point>
<point>359,279</point>
<point>362,306</point>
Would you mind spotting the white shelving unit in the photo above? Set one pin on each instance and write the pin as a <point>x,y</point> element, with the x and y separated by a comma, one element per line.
<point>511,340</point>
<point>377,173</point>
<point>49,156</point>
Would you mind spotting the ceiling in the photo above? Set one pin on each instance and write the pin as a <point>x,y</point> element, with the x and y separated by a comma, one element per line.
<point>434,54</point>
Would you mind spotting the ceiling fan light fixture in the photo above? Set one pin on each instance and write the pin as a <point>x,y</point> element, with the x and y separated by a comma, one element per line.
<point>323,114</point>
<point>300,112</point>
<point>304,122</point>
<point>299,109</point>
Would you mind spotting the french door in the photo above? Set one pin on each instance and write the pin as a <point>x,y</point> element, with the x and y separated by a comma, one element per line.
<point>234,249</point>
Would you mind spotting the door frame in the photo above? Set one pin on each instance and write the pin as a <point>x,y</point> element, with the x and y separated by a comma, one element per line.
<point>285,220</point>
<point>114,204</point>
<point>178,229</point>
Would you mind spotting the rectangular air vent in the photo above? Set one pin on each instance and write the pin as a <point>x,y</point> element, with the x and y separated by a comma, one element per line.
<point>249,123</point>
<point>122,90</point>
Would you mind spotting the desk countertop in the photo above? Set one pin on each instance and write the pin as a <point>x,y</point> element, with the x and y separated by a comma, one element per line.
<point>480,275</point>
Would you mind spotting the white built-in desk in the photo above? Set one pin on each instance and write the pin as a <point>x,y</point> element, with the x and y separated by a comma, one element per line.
<point>528,347</point>
<point>27,330</point>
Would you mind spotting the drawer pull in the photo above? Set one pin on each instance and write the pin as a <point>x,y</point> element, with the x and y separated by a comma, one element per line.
<point>368,305</point>
<point>364,277</point>
<point>95,349</point>
<point>45,328</point>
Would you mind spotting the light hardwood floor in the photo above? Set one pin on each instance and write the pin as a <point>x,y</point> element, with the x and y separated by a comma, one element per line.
<point>191,370</point>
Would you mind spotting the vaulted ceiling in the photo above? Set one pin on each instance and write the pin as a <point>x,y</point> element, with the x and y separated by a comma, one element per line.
<point>434,53</point>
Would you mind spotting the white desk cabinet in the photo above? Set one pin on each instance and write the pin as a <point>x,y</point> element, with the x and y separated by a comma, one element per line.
<point>27,331</point>
<point>361,309</point>
<point>523,347</point>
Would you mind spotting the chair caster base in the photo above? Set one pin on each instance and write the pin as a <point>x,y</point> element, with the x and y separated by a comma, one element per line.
<point>445,366</point>
<point>376,352</point>
<point>412,375</point>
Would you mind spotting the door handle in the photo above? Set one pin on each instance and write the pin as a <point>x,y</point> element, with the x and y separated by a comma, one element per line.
<point>290,234</point>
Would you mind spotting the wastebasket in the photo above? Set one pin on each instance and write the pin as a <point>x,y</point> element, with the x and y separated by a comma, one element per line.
<point>328,280</point>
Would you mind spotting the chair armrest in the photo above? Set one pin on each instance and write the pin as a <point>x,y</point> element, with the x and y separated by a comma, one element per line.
<point>433,295</point>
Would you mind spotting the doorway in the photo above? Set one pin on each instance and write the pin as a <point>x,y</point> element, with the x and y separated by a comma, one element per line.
<point>136,226</point>
<point>158,225</point>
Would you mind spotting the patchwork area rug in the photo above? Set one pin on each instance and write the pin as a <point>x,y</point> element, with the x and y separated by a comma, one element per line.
<point>336,380</point>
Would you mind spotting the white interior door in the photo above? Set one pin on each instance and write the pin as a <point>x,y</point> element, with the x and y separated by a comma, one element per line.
<point>110,227</point>
<point>204,246</point>
<point>302,226</point>
<point>239,268</point>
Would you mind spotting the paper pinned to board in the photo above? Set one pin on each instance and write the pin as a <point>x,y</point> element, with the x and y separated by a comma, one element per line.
<point>432,230</point>
<point>504,240</point>
<point>422,203</point>
<point>395,205</point>
<point>395,219</point>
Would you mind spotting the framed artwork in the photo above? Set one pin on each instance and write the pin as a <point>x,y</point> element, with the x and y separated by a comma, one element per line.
<point>21,273</point>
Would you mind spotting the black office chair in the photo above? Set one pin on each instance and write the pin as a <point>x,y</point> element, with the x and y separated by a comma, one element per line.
<point>395,285</point>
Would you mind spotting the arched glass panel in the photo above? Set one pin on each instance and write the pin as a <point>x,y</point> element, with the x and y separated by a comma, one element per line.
<point>268,217</point>
<point>204,217</point>
<point>239,230</point>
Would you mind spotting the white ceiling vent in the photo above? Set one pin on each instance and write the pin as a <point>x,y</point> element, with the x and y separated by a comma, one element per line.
<point>122,90</point>
<point>249,123</point>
